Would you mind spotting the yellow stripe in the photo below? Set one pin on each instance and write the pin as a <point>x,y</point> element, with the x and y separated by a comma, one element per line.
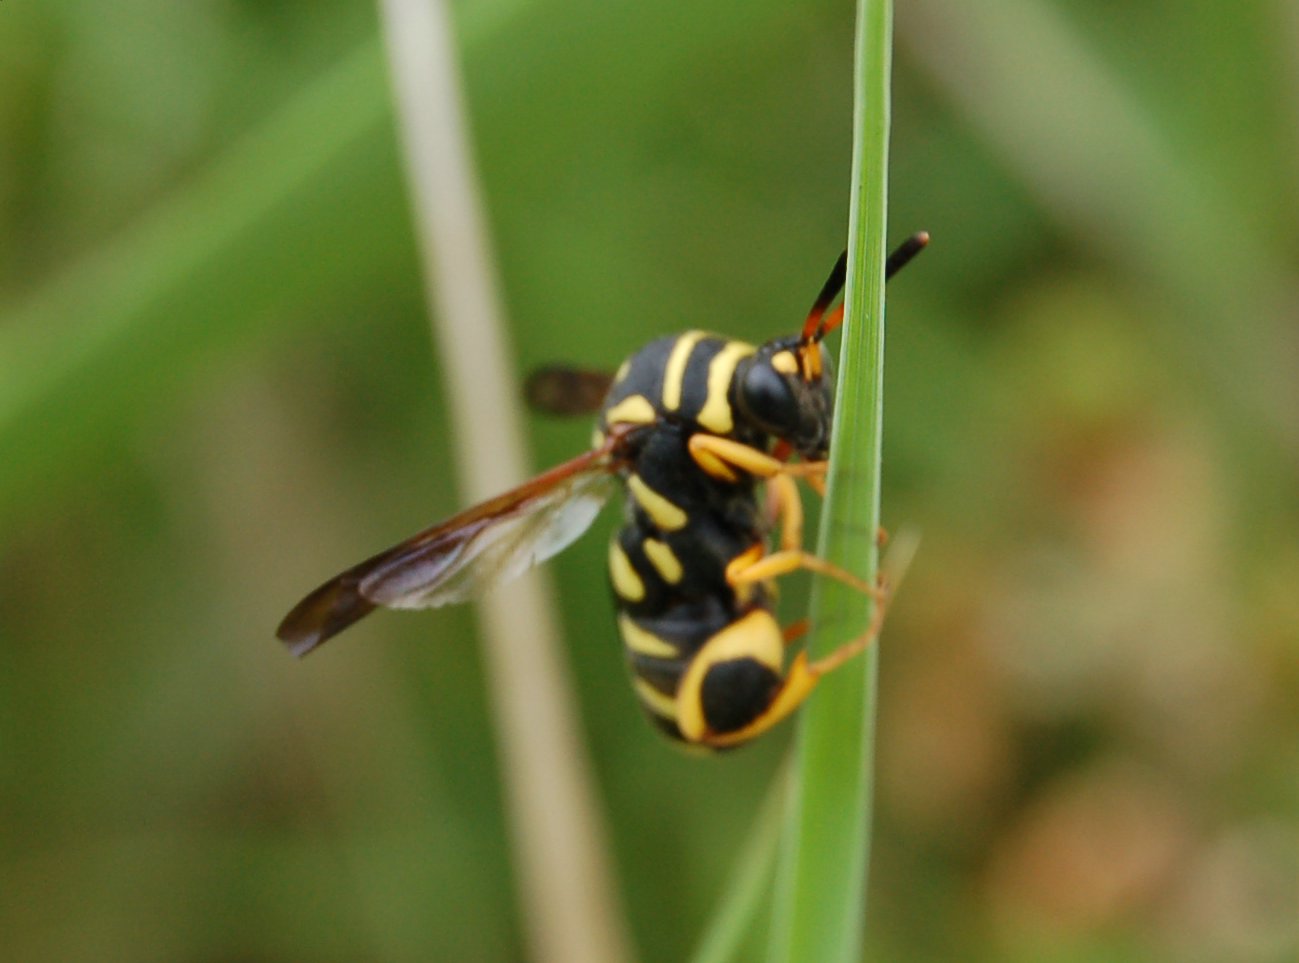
<point>643,642</point>
<point>798,684</point>
<point>663,559</point>
<point>755,636</point>
<point>622,371</point>
<point>625,580</point>
<point>675,371</point>
<point>716,412</point>
<point>662,512</point>
<point>632,410</point>
<point>655,701</point>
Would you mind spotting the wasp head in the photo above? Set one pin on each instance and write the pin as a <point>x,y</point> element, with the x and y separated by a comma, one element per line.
<point>785,389</point>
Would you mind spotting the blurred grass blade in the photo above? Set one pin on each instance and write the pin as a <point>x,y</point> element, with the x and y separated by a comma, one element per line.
<point>820,887</point>
<point>562,869</point>
<point>731,925</point>
<point>270,221</point>
<point>1110,171</point>
<point>120,322</point>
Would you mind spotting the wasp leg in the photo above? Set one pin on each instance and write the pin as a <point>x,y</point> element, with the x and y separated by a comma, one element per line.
<point>803,675</point>
<point>756,566</point>
<point>801,678</point>
<point>744,570</point>
<point>720,457</point>
<point>832,661</point>
<point>894,569</point>
<point>795,630</point>
<point>783,491</point>
<point>787,506</point>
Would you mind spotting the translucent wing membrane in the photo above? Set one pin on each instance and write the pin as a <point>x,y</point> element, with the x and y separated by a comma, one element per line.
<point>482,546</point>
<point>565,390</point>
<point>491,551</point>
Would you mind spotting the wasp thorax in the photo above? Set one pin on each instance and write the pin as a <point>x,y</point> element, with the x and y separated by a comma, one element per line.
<point>778,394</point>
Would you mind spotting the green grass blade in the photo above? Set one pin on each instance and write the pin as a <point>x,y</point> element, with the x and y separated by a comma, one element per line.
<point>820,888</point>
<point>731,924</point>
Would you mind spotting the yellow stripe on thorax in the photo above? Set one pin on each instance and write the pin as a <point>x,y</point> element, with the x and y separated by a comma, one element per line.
<point>715,415</point>
<point>632,410</point>
<point>674,373</point>
<point>662,512</point>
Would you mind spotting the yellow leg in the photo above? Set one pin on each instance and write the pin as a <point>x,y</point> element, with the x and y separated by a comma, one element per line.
<point>801,679</point>
<point>803,675</point>
<point>892,572</point>
<point>789,509</point>
<point>720,457</point>
<point>744,569</point>
<point>832,661</point>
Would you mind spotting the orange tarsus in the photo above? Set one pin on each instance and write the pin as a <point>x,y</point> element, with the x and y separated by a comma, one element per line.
<point>796,630</point>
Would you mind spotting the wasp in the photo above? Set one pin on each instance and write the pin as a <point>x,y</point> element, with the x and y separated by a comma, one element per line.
<point>702,432</point>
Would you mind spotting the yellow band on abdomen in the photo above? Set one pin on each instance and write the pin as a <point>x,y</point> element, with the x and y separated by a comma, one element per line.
<point>662,512</point>
<point>643,642</point>
<point>626,582</point>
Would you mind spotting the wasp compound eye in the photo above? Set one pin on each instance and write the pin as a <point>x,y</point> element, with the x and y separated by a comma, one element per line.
<point>767,397</point>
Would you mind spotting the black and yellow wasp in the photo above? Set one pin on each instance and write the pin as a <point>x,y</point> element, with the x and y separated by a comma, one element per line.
<point>691,425</point>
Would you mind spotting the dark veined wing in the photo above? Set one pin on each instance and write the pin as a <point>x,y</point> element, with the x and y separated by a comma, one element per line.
<point>480,547</point>
<point>565,390</point>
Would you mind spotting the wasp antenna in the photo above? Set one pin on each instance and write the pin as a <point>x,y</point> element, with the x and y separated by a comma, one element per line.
<point>899,259</point>
<point>905,252</point>
<point>829,323</point>
<point>829,291</point>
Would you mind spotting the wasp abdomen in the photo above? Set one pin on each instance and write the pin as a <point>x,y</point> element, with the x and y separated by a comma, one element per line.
<point>736,692</point>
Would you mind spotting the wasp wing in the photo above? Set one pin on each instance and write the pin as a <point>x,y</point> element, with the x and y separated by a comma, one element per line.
<point>489,550</point>
<point>480,547</point>
<point>565,390</point>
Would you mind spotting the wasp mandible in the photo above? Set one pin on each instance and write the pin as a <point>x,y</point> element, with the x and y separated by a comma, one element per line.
<point>695,427</point>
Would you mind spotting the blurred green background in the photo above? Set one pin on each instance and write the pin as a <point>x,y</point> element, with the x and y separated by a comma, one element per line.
<point>217,387</point>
